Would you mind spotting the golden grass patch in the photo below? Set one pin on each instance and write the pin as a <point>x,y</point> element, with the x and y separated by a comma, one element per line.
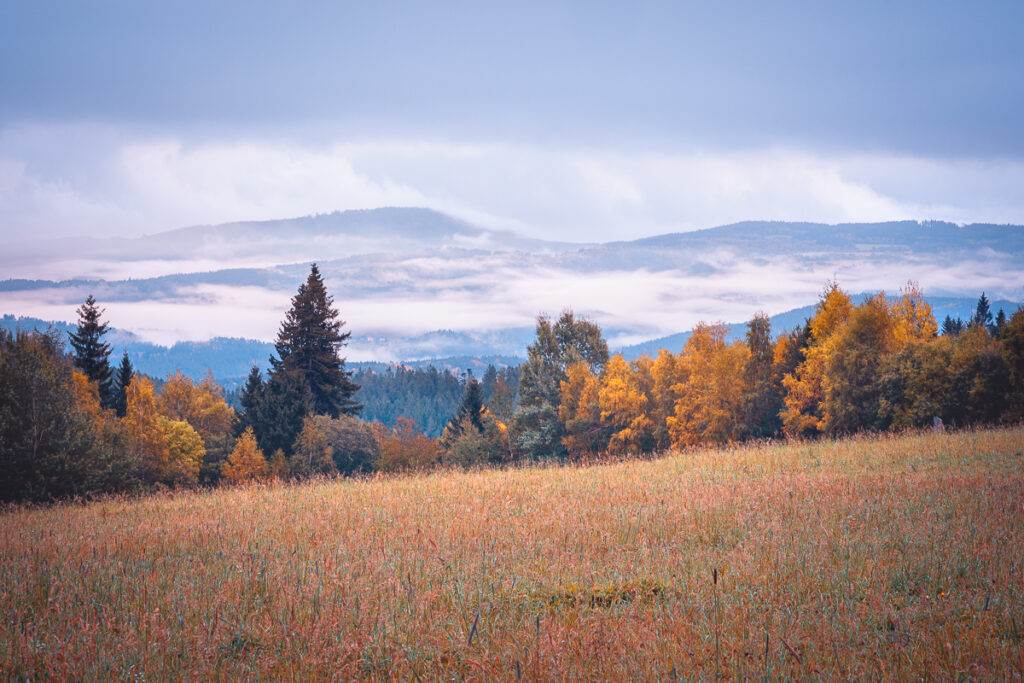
<point>868,558</point>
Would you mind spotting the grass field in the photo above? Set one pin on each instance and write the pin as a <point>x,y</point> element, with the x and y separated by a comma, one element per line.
<point>870,558</point>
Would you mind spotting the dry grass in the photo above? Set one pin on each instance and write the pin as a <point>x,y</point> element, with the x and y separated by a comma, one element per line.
<point>871,558</point>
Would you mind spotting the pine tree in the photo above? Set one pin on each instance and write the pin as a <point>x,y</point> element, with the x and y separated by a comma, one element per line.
<point>489,381</point>
<point>122,379</point>
<point>92,355</point>
<point>307,348</point>
<point>283,406</point>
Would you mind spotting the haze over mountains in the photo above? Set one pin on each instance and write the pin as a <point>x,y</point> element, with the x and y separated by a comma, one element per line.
<point>414,283</point>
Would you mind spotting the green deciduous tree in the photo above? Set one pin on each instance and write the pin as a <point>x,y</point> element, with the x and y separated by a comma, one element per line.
<point>537,431</point>
<point>51,445</point>
<point>851,401</point>
<point>762,399</point>
<point>347,441</point>
<point>1012,341</point>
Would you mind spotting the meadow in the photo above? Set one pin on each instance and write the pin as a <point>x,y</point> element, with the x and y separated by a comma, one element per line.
<point>891,557</point>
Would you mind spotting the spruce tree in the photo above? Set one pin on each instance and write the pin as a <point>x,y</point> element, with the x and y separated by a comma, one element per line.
<point>92,355</point>
<point>999,326</point>
<point>472,404</point>
<point>307,348</point>
<point>952,326</point>
<point>982,314</point>
<point>122,379</point>
<point>252,394</point>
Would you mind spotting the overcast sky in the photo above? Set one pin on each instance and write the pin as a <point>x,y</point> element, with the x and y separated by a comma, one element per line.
<point>574,120</point>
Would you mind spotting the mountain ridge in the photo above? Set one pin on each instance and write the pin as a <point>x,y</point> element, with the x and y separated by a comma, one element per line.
<point>489,292</point>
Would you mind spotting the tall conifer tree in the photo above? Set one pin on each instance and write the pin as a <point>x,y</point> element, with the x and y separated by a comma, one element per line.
<point>982,314</point>
<point>307,348</point>
<point>122,378</point>
<point>250,397</point>
<point>469,415</point>
<point>92,355</point>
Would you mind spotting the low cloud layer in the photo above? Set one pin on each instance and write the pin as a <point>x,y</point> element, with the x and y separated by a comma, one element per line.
<point>500,293</point>
<point>57,181</point>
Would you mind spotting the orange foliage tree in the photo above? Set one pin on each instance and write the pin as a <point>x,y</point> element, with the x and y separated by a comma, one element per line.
<point>246,461</point>
<point>404,447</point>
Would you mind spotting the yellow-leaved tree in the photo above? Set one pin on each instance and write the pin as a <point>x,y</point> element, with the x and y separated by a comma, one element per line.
<point>803,414</point>
<point>667,375</point>
<point>624,403</point>
<point>912,317</point>
<point>168,451</point>
<point>202,405</point>
<point>711,397</point>
<point>185,451</point>
<point>146,440</point>
<point>580,412</point>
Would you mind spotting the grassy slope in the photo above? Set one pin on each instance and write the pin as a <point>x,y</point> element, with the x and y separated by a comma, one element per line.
<point>867,558</point>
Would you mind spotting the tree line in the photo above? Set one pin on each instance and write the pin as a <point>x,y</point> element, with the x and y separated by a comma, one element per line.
<point>429,396</point>
<point>72,425</point>
<point>878,366</point>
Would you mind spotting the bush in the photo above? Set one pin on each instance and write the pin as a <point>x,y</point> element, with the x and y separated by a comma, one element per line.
<point>347,442</point>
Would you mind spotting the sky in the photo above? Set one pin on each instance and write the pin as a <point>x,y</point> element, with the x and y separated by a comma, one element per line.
<point>575,121</point>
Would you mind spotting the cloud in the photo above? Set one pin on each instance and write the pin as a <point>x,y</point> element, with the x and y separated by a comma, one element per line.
<point>76,180</point>
<point>400,297</point>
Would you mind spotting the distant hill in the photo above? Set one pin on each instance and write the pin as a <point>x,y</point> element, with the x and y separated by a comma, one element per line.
<point>401,276</point>
<point>229,360</point>
<point>322,237</point>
